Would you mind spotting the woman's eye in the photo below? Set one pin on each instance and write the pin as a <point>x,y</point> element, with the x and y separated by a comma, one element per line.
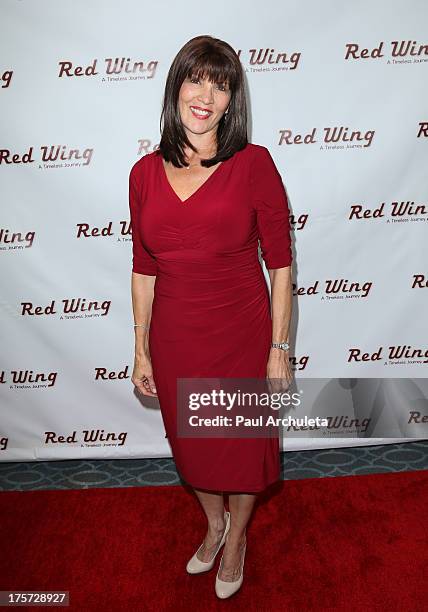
<point>221,86</point>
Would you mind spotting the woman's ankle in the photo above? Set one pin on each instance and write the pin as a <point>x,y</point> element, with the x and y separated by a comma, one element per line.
<point>217,525</point>
<point>237,540</point>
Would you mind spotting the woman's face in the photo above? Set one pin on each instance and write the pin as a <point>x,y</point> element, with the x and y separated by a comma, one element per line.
<point>202,104</point>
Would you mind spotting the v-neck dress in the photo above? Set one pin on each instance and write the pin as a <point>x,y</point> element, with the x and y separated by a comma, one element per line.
<point>211,312</point>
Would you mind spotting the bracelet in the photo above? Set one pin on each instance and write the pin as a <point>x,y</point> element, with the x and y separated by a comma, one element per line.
<point>281,345</point>
<point>145,326</point>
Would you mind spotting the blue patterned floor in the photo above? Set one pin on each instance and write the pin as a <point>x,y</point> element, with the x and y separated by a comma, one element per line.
<point>83,474</point>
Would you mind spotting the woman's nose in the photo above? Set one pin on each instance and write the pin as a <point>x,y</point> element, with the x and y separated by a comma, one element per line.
<point>207,93</point>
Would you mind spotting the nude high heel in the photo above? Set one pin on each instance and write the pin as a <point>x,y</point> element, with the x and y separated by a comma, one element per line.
<point>195,565</point>
<point>224,589</point>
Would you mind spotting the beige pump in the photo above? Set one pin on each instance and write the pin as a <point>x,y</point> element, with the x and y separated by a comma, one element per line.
<point>195,565</point>
<point>224,589</point>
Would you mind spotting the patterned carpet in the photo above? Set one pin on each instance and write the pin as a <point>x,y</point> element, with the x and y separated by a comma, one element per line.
<point>83,474</point>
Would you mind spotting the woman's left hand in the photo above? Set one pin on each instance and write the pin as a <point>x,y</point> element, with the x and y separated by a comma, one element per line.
<point>278,369</point>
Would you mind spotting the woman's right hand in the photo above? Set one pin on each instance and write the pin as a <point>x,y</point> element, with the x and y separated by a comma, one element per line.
<point>142,376</point>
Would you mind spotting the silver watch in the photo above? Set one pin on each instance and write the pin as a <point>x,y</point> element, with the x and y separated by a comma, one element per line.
<point>281,345</point>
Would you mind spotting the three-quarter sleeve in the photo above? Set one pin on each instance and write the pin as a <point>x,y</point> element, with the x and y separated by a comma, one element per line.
<point>142,261</point>
<point>272,211</point>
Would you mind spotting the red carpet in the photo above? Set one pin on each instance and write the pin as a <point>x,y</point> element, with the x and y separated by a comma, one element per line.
<point>346,543</point>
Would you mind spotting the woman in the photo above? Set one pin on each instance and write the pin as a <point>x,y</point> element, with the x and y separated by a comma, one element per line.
<point>199,204</point>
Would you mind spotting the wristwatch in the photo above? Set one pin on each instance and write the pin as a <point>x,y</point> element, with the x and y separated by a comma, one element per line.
<point>281,345</point>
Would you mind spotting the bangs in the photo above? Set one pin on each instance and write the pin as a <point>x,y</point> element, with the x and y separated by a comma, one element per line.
<point>215,68</point>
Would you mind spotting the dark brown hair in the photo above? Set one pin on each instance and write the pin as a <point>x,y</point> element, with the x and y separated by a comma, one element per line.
<point>212,58</point>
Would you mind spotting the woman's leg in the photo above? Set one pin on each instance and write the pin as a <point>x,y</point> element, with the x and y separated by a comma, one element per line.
<point>240,506</point>
<point>213,505</point>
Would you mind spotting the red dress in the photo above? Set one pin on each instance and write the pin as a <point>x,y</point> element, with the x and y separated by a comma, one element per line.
<point>211,308</point>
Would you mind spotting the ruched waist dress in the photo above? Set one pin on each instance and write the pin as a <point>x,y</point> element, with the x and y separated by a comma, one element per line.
<point>211,312</point>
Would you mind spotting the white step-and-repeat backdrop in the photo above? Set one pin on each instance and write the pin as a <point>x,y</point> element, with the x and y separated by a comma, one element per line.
<point>337,92</point>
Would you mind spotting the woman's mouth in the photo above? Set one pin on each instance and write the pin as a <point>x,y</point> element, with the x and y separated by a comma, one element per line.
<point>199,113</point>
